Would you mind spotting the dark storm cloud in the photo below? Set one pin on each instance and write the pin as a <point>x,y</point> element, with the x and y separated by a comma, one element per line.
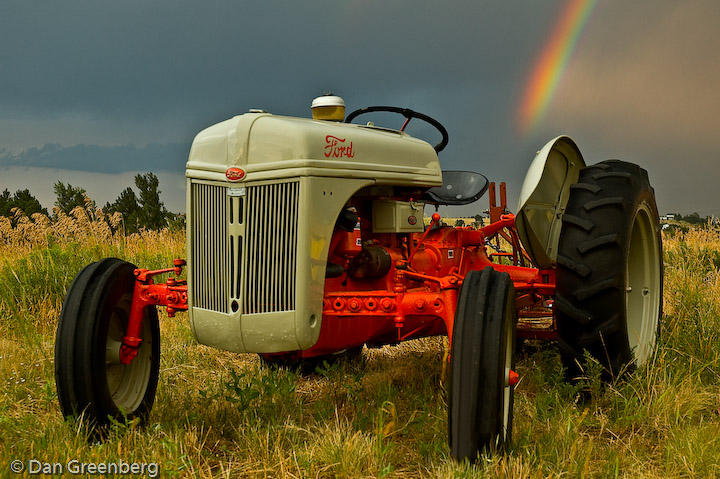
<point>196,63</point>
<point>148,59</point>
<point>640,85</point>
<point>206,61</point>
<point>101,159</point>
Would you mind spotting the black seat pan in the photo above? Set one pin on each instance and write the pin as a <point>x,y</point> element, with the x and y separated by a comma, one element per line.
<point>458,188</point>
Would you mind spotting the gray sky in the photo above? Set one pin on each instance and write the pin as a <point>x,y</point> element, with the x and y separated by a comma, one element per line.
<point>92,92</point>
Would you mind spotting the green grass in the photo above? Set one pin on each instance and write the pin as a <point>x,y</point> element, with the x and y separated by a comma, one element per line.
<point>219,414</point>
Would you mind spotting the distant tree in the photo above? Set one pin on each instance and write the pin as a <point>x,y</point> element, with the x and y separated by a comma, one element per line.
<point>152,211</point>
<point>127,205</point>
<point>145,210</point>
<point>5,203</point>
<point>478,221</point>
<point>30,205</point>
<point>459,222</point>
<point>68,197</point>
<point>176,221</point>
<point>694,218</point>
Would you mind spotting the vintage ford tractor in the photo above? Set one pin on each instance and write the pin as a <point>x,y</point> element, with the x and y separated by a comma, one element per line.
<point>306,239</point>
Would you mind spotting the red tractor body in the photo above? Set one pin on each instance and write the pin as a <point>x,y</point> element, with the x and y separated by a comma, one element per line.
<point>416,297</point>
<point>306,239</point>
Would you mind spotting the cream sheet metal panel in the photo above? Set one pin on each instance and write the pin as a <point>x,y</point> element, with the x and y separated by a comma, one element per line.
<point>236,198</point>
<point>275,139</point>
<point>294,169</point>
<point>270,147</point>
<point>285,235</point>
<point>390,216</point>
<point>222,144</point>
<point>320,202</point>
<point>543,197</point>
<point>293,195</point>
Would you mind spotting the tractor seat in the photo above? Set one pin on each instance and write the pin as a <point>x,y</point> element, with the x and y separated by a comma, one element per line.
<point>458,188</point>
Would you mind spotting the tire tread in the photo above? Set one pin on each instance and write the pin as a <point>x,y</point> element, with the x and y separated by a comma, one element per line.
<point>590,307</point>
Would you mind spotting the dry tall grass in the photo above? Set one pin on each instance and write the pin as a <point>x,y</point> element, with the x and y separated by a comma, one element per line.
<point>85,228</point>
<point>221,415</point>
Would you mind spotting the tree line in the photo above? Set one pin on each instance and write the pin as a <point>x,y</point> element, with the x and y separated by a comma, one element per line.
<point>144,210</point>
<point>692,218</point>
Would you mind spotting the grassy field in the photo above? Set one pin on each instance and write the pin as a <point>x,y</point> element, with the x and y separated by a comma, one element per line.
<point>219,414</point>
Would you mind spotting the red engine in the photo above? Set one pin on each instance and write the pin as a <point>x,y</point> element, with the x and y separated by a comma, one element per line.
<point>385,288</point>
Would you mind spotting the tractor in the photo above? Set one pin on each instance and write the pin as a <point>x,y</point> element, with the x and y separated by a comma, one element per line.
<point>306,239</point>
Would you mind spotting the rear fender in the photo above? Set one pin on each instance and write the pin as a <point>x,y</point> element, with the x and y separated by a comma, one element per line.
<point>544,196</point>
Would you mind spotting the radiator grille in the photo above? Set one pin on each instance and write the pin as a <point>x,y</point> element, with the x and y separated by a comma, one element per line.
<point>269,260</point>
<point>244,247</point>
<point>210,247</point>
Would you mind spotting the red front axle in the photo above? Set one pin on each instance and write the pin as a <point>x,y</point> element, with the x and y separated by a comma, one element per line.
<point>172,295</point>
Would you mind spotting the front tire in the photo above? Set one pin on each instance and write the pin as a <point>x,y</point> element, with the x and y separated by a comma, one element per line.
<point>480,406</point>
<point>609,277</point>
<point>90,379</point>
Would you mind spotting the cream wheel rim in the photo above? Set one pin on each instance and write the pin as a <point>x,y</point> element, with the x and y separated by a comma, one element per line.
<point>642,288</point>
<point>507,388</point>
<point>127,383</point>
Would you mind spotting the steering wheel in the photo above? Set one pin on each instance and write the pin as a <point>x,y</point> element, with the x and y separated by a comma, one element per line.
<point>409,115</point>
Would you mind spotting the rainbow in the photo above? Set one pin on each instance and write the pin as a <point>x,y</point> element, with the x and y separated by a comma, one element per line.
<point>551,63</point>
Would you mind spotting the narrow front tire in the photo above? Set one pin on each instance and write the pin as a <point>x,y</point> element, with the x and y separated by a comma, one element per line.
<point>91,381</point>
<point>480,406</point>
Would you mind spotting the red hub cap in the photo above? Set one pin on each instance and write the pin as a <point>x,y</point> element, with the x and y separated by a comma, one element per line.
<point>513,378</point>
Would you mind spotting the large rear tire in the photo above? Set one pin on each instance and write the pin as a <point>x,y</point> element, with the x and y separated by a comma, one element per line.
<point>90,379</point>
<point>609,276</point>
<point>480,406</point>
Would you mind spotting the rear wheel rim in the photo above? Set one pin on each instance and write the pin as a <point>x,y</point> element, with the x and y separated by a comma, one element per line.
<point>642,298</point>
<point>127,383</point>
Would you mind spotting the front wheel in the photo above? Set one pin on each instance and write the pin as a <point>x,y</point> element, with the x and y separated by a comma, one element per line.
<point>480,406</point>
<point>90,379</point>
